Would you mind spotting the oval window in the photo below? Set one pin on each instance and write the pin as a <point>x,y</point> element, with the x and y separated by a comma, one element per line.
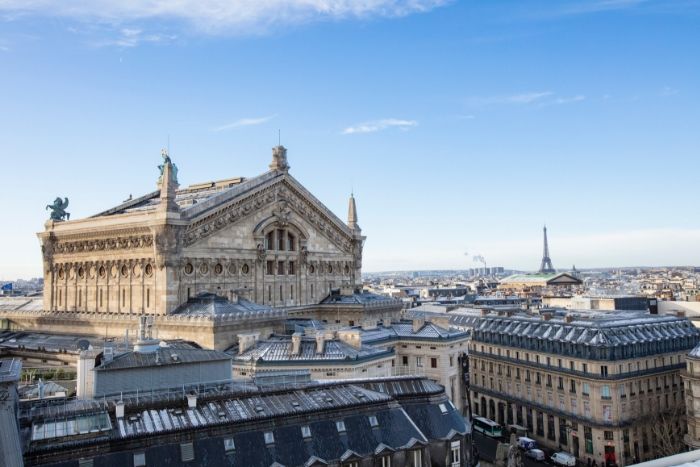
<point>189,269</point>
<point>245,269</point>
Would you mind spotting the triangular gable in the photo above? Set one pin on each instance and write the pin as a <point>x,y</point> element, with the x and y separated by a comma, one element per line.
<point>283,193</point>
<point>350,455</point>
<point>382,448</point>
<point>314,461</point>
<point>564,278</point>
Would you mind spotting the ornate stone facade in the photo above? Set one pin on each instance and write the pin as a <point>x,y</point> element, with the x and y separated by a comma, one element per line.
<point>266,239</point>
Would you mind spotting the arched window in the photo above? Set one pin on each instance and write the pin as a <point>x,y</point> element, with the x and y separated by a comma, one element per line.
<point>282,239</point>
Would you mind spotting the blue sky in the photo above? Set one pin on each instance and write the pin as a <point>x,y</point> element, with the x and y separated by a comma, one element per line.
<point>461,126</point>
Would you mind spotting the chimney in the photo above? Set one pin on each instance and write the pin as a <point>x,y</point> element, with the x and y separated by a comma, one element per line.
<point>192,401</point>
<point>320,342</point>
<point>119,409</point>
<point>347,291</point>
<point>369,323</point>
<point>680,313</point>
<point>247,341</point>
<point>569,318</point>
<point>296,343</point>
<point>546,315</point>
<point>484,312</point>
<point>418,324</point>
<point>386,322</point>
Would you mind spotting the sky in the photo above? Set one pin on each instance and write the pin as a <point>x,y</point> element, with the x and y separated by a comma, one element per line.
<point>461,126</point>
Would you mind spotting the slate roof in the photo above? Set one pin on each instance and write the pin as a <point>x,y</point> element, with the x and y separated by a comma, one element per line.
<point>695,353</point>
<point>463,318</point>
<point>337,416</point>
<point>279,349</point>
<point>404,330</point>
<point>162,356</point>
<point>592,327</point>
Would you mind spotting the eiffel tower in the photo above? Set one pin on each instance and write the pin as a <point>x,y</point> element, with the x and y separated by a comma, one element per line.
<point>546,266</point>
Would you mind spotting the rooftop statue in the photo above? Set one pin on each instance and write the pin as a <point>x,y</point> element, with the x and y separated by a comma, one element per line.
<point>166,160</point>
<point>58,210</point>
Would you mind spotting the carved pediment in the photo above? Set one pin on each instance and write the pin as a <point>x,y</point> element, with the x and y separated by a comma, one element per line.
<point>286,201</point>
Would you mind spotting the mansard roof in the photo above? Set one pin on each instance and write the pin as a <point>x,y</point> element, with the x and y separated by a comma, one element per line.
<point>254,428</point>
<point>278,350</point>
<point>404,330</point>
<point>163,356</point>
<point>623,330</point>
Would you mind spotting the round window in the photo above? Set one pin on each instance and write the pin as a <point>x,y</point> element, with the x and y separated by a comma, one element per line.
<point>125,271</point>
<point>204,268</point>
<point>218,269</point>
<point>330,269</point>
<point>81,272</point>
<point>61,273</point>
<point>312,269</point>
<point>189,269</point>
<point>149,270</point>
<point>102,272</point>
<point>245,269</point>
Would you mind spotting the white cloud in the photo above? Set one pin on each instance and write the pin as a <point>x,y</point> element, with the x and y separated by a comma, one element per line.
<point>569,100</point>
<point>131,37</point>
<point>378,125</point>
<point>244,122</point>
<point>522,98</point>
<point>220,16</point>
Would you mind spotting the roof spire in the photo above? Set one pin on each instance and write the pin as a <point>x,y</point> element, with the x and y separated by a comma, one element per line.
<point>352,213</point>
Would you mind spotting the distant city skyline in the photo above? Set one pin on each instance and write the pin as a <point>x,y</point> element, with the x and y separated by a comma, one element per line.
<point>461,127</point>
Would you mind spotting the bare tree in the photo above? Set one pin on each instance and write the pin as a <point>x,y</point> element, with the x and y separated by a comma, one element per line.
<point>668,429</point>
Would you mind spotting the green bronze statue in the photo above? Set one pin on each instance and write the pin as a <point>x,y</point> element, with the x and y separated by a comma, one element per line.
<point>166,160</point>
<point>58,210</point>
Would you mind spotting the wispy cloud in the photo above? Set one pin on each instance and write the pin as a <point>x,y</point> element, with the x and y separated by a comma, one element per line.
<point>539,98</point>
<point>569,100</point>
<point>220,16</point>
<point>667,91</point>
<point>522,98</point>
<point>131,37</point>
<point>244,122</point>
<point>378,125</point>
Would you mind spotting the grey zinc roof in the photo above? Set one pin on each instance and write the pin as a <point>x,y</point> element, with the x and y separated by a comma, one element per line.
<point>405,330</point>
<point>208,304</point>
<point>358,298</point>
<point>162,356</point>
<point>279,349</point>
<point>189,198</point>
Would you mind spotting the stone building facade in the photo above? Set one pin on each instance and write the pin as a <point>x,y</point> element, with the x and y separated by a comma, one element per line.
<point>600,385</point>
<point>691,381</point>
<point>266,238</point>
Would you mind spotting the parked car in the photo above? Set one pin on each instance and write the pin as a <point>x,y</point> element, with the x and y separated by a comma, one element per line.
<point>563,458</point>
<point>537,454</point>
<point>526,443</point>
